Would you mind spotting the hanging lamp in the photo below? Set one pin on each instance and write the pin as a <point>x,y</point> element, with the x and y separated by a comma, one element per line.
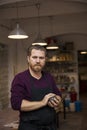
<point>39,40</point>
<point>17,33</point>
<point>52,43</point>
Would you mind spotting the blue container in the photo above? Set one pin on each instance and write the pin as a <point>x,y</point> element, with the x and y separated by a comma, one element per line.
<point>78,106</point>
<point>67,102</point>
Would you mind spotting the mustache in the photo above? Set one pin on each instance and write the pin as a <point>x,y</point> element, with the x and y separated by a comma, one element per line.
<point>38,64</point>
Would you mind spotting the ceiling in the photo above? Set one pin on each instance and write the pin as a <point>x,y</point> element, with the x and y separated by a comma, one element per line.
<point>62,9</point>
<point>26,8</point>
<point>2,2</point>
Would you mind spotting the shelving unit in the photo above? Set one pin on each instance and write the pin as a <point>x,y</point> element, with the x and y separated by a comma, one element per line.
<point>62,64</point>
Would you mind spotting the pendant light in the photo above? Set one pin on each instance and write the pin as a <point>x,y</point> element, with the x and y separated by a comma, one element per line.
<point>39,40</point>
<point>53,43</point>
<point>17,33</point>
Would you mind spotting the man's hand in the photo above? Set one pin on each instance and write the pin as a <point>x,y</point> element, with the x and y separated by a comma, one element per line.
<point>54,101</point>
<point>47,97</point>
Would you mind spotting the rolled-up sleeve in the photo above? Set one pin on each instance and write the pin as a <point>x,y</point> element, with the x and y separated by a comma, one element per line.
<point>17,93</point>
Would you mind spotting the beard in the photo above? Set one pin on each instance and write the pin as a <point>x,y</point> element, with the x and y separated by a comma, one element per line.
<point>36,68</point>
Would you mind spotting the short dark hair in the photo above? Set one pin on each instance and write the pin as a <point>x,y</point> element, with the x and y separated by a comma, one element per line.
<point>37,47</point>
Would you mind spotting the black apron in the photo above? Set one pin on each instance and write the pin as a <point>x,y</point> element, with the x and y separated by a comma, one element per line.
<point>40,119</point>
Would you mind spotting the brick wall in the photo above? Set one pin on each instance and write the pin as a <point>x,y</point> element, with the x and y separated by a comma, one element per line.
<point>4,77</point>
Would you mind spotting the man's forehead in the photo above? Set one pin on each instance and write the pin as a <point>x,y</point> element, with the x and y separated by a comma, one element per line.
<point>35,51</point>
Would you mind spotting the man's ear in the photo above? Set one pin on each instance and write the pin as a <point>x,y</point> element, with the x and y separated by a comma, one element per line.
<point>28,59</point>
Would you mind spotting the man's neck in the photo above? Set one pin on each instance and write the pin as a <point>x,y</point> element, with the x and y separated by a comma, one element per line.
<point>36,75</point>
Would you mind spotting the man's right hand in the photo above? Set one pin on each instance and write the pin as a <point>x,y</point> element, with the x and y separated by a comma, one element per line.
<point>47,97</point>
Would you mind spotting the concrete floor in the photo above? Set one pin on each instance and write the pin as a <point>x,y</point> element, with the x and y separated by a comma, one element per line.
<point>73,121</point>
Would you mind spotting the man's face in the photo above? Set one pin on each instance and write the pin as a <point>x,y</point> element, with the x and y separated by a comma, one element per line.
<point>36,60</point>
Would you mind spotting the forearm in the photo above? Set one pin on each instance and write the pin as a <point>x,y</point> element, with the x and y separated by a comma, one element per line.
<point>31,105</point>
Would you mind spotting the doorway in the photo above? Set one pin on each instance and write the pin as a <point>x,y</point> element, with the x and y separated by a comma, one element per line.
<point>82,70</point>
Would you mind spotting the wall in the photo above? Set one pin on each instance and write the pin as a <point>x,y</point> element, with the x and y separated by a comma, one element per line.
<point>4,90</point>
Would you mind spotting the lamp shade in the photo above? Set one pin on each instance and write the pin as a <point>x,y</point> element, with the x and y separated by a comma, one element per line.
<point>39,41</point>
<point>52,45</point>
<point>18,33</point>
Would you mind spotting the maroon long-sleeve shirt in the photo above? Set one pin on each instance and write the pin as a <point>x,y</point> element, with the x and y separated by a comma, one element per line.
<point>21,84</point>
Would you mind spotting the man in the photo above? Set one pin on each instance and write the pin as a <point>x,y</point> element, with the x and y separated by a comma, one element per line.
<point>34,93</point>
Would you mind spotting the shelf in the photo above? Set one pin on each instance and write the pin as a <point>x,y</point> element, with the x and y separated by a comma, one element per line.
<point>61,67</point>
<point>61,55</point>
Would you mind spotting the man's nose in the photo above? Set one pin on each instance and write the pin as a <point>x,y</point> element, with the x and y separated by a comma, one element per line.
<point>38,59</point>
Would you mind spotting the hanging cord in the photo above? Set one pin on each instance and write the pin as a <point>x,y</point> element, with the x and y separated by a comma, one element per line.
<point>17,13</point>
<point>38,8</point>
<point>51,25</point>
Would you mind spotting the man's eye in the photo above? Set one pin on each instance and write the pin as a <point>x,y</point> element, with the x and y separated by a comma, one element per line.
<point>34,57</point>
<point>41,58</point>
